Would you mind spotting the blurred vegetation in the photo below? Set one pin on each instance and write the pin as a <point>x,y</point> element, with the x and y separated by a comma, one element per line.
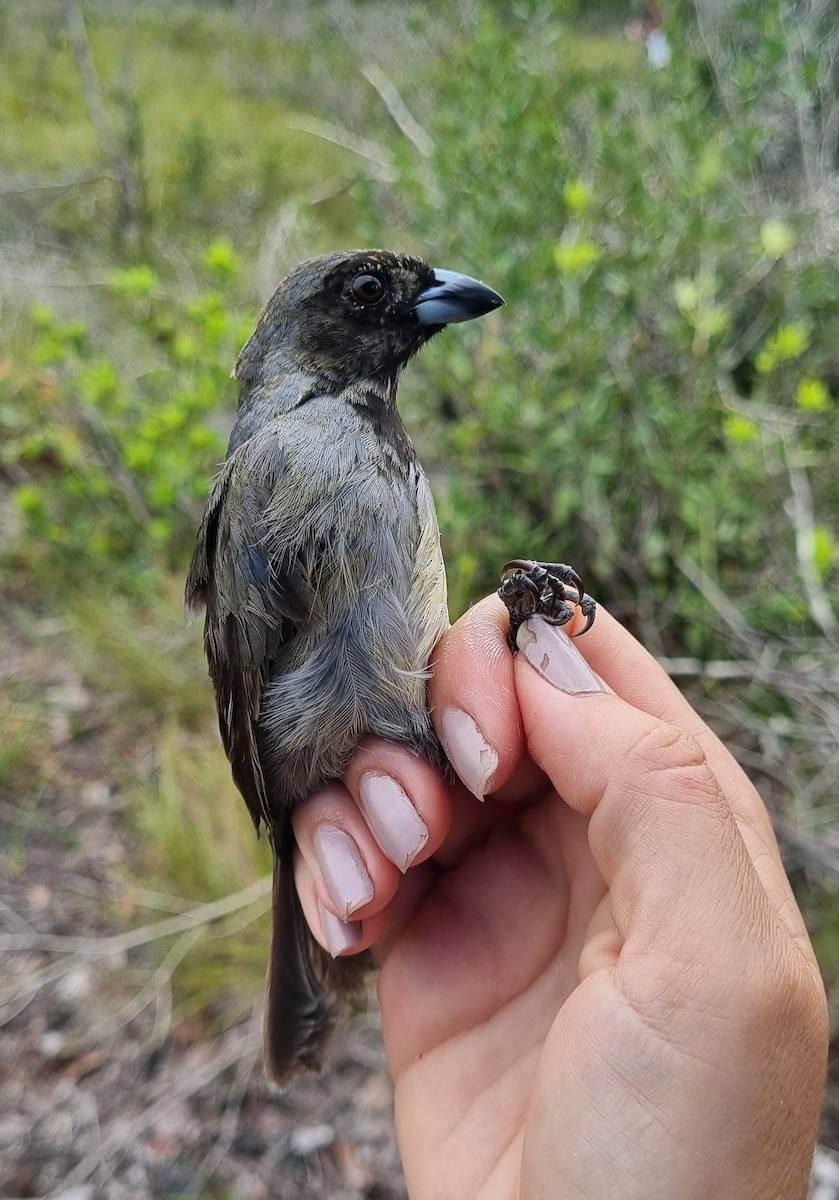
<point>657,404</point>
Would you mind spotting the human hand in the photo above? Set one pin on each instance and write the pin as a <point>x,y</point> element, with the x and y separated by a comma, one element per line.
<point>597,983</point>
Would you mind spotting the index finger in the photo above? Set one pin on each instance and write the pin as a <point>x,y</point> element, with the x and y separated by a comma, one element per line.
<point>473,699</point>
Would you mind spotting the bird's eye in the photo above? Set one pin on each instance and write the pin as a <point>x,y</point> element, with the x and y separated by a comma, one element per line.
<point>367,289</point>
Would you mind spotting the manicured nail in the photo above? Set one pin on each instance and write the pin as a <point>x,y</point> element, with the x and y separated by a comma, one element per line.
<point>555,656</point>
<point>340,936</point>
<point>469,752</point>
<point>343,869</point>
<point>394,822</point>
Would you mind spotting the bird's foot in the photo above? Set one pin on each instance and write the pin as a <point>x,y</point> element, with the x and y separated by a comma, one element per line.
<point>548,590</point>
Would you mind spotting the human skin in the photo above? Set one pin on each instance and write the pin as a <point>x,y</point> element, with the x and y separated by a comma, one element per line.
<point>597,982</point>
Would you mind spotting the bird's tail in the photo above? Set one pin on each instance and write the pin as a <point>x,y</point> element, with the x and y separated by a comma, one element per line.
<point>299,1012</point>
<point>300,1006</point>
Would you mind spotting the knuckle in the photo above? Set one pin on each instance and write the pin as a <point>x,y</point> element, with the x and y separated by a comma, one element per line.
<point>655,988</point>
<point>674,759</point>
<point>776,1001</point>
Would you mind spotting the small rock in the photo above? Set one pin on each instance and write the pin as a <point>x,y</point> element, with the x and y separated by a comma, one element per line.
<point>97,794</point>
<point>51,1043</point>
<point>310,1138</point>
<point>75,987</point>
<point>71,697</point>
<point>39,897</point>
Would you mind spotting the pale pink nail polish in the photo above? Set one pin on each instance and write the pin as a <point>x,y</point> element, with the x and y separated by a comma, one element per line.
<point>340,935</point>
<point>343,870</point>
<point>394,822</point>
<point>468,750</point>
<point>555,657</point>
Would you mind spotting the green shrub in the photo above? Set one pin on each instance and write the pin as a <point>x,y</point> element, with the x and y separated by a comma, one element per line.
<point>115,469</point>
<point>667,352</point>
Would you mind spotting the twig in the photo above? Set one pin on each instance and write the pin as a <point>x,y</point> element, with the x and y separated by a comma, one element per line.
<point>120,943</point>
<point>280,230</point>
<point>823,781</point>
<point>398,110</point>
<point>807,851</point>
<point>128,186</point>
<point>112,458</point>
<point>232,1108</point>
<point>157,983</point>
<point>370,151</point>
<point>166,1096</point>
<point>24,993</point>
<point>145,898</point>
<point>800,511</point>
<point>718,600</point>
<point>15,920</point>
<point>22,187</point>
<point>719,669</point>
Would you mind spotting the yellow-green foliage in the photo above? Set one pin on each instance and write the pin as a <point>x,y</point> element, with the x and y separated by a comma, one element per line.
<point>201,101</point>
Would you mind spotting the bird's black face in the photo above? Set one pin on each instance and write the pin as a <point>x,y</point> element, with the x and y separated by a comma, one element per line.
<point>362,314</point>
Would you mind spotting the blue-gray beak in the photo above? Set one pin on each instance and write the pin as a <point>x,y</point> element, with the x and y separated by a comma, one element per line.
<point>452,298</point>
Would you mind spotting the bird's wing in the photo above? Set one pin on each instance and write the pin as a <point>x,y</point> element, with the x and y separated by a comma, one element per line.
<point>256,595</point>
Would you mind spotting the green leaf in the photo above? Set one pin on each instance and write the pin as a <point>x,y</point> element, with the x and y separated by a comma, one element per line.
<point>811,395</point>
<point>576,196</point>
<point>825,551</point>
<point>776,239</point>
<point>133,282</point>
<point>740,429</point>
<point>572,258</point>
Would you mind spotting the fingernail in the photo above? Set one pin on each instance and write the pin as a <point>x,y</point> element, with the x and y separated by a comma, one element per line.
<point>555,656</point>
<point>340,936</point>
<point>469,752</point>
<point>394,822</point>
<point>343,869</point>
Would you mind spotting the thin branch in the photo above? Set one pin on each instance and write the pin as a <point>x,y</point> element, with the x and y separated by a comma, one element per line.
<point>128,186</point>
<point>22,187</point>
<point>110,453</point>
<point>398,110</point>
<point>717,669</point>
<point>167,1096</point>
<point>337,135</point>
<point>718,600</point>
<point>14,920</point>
<point>24,993</point>
<point>800,511</point>
<point>158,982</point>
<point>807,851</point>
<point>280,230</point>
<point>120,943</point>
<point>232,1108</point>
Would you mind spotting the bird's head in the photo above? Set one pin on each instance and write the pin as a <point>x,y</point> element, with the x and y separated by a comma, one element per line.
<point>359,315</point>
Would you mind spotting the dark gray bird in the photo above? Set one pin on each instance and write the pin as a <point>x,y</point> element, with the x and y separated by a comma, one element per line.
<point>318,562</point>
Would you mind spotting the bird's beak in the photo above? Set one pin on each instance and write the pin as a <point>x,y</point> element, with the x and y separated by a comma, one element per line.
<point>452,298</point>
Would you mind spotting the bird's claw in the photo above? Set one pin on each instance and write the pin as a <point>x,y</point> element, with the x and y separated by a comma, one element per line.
<point>548,590</point>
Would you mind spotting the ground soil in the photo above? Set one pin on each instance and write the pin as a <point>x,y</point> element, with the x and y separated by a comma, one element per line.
<point>104,1093</point>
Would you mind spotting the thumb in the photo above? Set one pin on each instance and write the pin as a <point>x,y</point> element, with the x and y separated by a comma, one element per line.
<point>661,831</point>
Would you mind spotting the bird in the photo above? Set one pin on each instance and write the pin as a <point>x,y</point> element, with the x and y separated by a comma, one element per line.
<point>319,569</point>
